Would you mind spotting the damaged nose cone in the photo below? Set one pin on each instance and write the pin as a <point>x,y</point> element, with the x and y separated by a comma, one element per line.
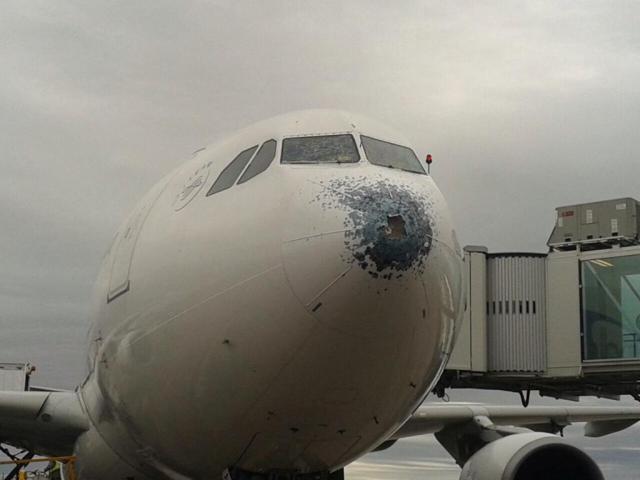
<point>388,226</point>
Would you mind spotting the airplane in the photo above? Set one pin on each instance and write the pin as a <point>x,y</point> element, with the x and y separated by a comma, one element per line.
<point>277,307</point>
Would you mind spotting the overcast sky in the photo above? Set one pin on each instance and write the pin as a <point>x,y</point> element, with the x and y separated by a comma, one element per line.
<point>524,106</point>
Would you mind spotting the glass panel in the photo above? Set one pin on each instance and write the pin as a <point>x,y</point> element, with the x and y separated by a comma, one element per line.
<point>611,307</point>
<point>261,161</point>
<point>321,149</point>
<point>391,155</point>
<point>231,172</point>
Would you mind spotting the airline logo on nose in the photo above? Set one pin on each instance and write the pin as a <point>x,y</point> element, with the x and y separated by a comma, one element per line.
<point>192,185</point>
<point>388,227</point>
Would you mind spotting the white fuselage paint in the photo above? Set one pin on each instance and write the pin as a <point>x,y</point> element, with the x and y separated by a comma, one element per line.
<point>240,330</point>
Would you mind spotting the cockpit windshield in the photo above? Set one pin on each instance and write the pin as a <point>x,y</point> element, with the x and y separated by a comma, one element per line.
<point>391,155</point>
<point>320,149</point>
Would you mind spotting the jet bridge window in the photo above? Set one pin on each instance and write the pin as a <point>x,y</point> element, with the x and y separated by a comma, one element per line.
<point>391,155</point>
<point>231,172</point>
<point>261,161</point>
<point>320,149</point>
<point>611,307</point>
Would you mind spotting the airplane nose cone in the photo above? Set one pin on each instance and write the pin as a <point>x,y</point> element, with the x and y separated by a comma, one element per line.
<point>363,253</point>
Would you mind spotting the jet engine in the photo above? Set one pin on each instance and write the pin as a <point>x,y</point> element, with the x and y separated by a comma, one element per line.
<point>530,456</point>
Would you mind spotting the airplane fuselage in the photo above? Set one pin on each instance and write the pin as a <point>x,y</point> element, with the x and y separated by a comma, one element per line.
<point>289,322</point>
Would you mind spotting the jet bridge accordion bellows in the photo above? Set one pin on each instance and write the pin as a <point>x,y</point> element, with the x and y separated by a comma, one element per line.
<point>516,312</point>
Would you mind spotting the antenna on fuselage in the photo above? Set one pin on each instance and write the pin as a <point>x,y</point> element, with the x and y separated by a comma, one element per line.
<point>429,162</point>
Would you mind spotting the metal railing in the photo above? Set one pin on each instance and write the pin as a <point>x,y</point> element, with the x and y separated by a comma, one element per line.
<point>68,461</point>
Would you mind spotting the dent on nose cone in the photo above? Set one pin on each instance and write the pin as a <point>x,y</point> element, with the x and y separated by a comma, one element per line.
<point>389,228</point>
<point>337,226</point>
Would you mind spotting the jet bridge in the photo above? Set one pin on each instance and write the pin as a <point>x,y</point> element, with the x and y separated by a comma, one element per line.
<point>15,376</point>
<point>565,323</point>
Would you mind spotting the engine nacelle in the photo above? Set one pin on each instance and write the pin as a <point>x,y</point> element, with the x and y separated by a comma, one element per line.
<point>530,456</point>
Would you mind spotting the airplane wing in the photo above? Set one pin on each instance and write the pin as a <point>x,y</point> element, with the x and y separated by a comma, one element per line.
<point>41,422</point>
<point>495,441</point>
<point>600,420</point>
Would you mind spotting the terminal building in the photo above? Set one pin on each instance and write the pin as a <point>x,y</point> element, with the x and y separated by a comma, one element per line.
<point>564,323</point>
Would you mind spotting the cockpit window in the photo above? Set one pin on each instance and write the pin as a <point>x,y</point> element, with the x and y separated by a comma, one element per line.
<point>260,162</point>
<point>320,149</point>
<point>391,155</point>
<point>231,172</point>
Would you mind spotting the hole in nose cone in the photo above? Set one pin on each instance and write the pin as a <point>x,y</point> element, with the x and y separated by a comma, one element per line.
<point>392,242</point>
<point>395,227</point>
